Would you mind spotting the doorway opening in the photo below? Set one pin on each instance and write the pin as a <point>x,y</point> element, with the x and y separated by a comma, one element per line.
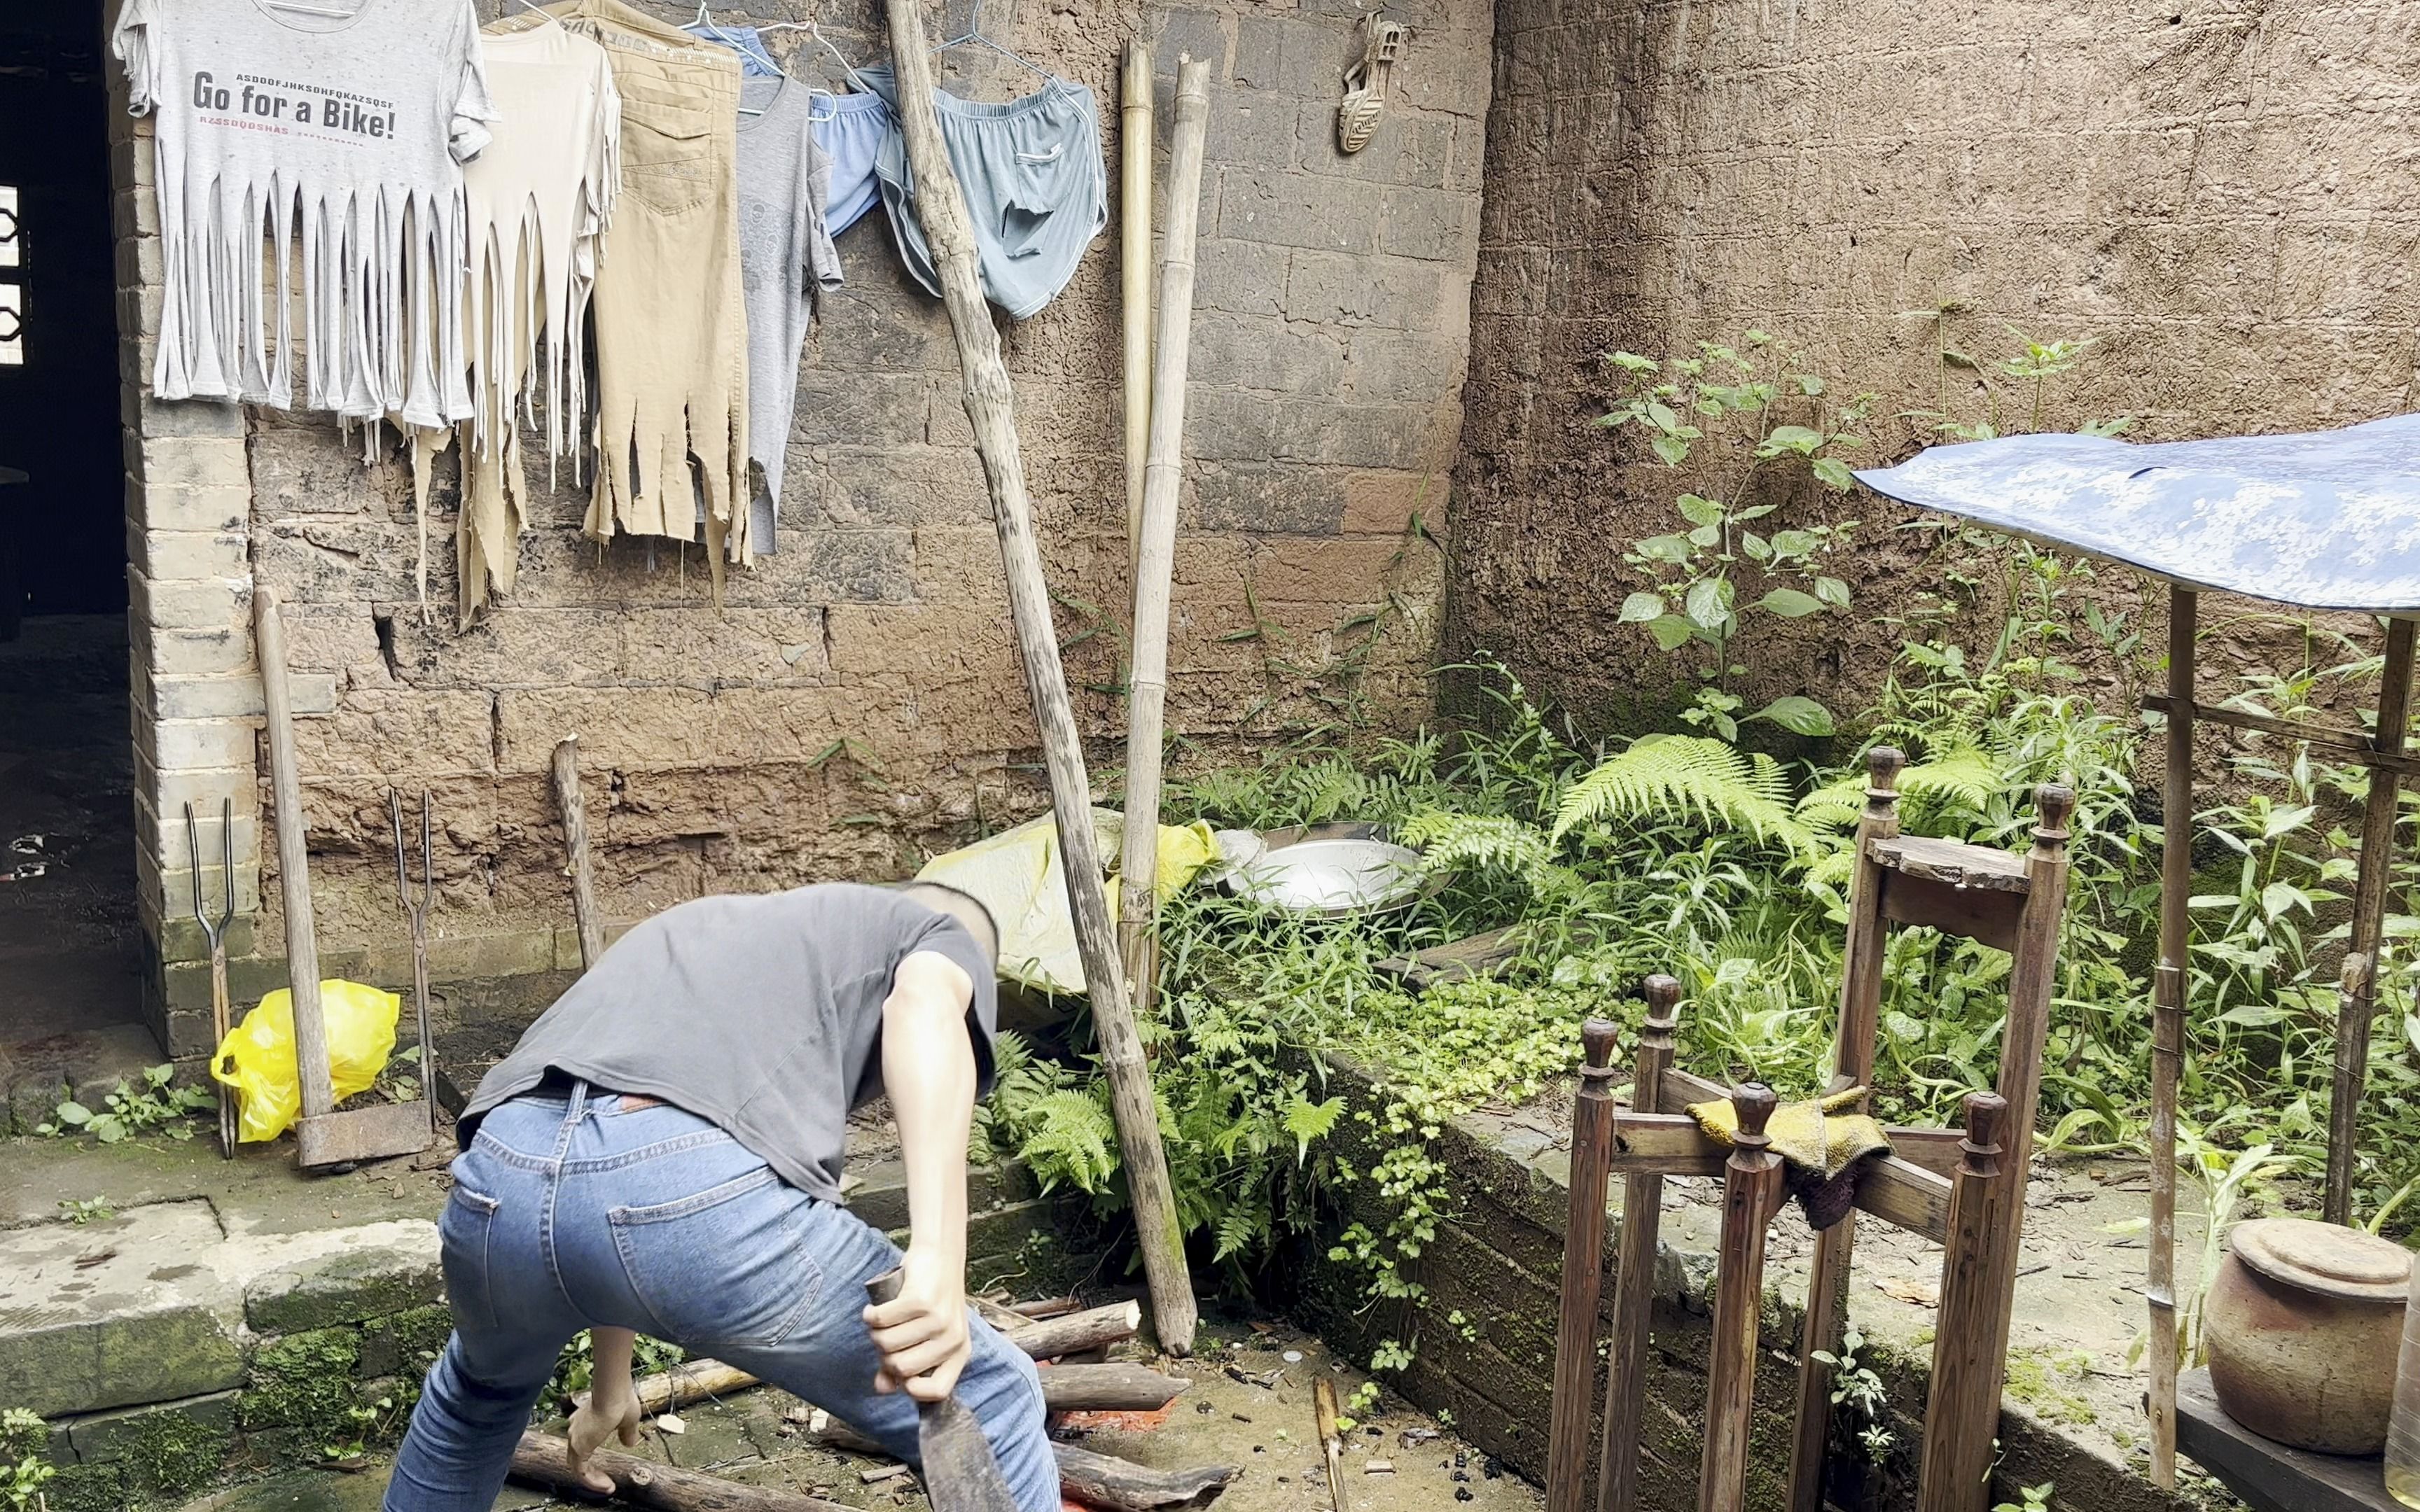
<point>70,936</point>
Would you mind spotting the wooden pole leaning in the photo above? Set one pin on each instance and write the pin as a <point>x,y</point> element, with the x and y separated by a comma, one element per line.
<point>1634,1270</point>
<point>2171,984</point>
<point>941,207</point>
<point>1861,997</point>
<point>1962,1415</point>
<point>1135,133</point>
<point>1155,561</point>
<point>585,917</point>
<point>293,858</point>
<point>1574,1382</point>
<point>1751,1190</point>
<point>2357,1003</point>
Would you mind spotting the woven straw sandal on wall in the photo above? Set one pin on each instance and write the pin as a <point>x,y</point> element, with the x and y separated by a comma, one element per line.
<point>1367,83</point>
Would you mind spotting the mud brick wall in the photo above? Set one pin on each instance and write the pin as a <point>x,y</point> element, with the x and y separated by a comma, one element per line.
<point>2218,194</point>
<point>856,703</point>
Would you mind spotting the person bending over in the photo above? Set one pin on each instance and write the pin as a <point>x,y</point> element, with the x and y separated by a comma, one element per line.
<point>661,1154</point>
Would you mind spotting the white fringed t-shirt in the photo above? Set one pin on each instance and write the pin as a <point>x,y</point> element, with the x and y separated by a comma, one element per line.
<point>348,129</point>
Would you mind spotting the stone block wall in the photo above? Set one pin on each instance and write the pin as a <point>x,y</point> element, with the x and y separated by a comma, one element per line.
<point>2217,194</point>
<point>856,702</point>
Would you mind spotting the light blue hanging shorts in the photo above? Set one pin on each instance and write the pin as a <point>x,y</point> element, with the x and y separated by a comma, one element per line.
<point>1035,182</point>
<point>851,129</point>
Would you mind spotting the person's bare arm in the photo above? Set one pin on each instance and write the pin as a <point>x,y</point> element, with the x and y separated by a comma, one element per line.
<point>612,1407</point>
<point>929,1067</point>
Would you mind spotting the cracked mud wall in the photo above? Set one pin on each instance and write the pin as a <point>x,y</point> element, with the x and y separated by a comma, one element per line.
<point>2221,194</point>
<point>856,704</point>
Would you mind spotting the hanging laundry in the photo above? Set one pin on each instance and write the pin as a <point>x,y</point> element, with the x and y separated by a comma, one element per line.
<point>1035,182</point>
<point>851,129</point>
<point>540,198</point>
<point>672,371</point>
<point>349,128</point>
<point>754,62</point>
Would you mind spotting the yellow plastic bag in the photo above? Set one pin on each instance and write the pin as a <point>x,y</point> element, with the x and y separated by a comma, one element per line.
<point>257,1057</point>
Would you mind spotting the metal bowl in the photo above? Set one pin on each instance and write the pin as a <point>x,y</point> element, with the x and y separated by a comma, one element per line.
<point>1332,870</point>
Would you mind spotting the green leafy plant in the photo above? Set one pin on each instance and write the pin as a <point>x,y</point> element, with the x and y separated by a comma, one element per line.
<point>575,1368</point>
<point>82,1211</point>
<point>156,1105</point>
<point>24,1466</point>
<point>1752,420</point>
<point>1856,1385</point>
<point>2037,1498</point>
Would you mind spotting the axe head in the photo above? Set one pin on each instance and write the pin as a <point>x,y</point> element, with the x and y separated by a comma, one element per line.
<point>960,1474</point>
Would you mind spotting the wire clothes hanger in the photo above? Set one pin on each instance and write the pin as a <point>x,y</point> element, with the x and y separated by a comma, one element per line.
<point>974,35</point>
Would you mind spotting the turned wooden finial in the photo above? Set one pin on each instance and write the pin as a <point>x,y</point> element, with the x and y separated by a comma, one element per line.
<point>1883,766</point>
<point>1662,995</point>
<point>1597,1038</point>
<point>1753,1102</point>
<point>2053,805</point>
<point>1985,1113</point>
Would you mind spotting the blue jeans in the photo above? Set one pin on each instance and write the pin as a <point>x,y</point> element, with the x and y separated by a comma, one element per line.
<point>575,1214</point>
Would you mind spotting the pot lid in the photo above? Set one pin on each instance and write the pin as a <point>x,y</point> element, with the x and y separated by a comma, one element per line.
<point>2326,1258</point>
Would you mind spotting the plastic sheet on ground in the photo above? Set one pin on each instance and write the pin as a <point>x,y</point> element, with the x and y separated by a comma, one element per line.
<point>1020,876</point>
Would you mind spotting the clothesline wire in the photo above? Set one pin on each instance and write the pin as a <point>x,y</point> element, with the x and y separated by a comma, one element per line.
<point>974,34</point>
<point>705,21</point>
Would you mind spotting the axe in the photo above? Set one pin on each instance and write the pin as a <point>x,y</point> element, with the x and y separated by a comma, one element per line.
<point>960,1474</point>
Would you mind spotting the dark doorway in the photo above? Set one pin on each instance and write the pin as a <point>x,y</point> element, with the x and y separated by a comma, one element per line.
<point>70,950</point>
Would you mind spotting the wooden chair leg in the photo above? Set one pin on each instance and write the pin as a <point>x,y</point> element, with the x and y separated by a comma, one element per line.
<point>1751,1182</point>
<point>1964,1415</point>
<point>1861,996</point>
<point>1575,1384</point>
<point>1634,1271</point>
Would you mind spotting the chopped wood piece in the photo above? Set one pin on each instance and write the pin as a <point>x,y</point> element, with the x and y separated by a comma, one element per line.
<point>543,1460</point>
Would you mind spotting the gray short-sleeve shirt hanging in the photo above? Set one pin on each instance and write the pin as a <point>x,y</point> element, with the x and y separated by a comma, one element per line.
<point>762,1015</point>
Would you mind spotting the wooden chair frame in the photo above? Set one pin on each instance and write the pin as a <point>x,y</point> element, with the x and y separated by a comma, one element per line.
<point>1962,1189</point>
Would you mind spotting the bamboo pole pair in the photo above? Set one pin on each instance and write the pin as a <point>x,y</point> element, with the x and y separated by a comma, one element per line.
<point>941,207</point>
<point>1156,537</point>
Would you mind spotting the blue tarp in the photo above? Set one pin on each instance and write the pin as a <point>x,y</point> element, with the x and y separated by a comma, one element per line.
<point>2329,519</point>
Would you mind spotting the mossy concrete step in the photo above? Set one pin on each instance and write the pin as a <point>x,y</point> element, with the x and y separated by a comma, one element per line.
<point>160,1303</point>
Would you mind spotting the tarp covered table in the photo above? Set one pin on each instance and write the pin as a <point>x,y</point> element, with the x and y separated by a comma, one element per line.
<point>2325,520</point>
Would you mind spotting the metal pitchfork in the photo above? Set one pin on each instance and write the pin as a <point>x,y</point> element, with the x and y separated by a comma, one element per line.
<point>417,911</point>
<point>215,931</point>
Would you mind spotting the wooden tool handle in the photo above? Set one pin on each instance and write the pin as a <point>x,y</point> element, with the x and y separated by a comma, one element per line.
<point>1322,1400</point>
<point>293,858</point>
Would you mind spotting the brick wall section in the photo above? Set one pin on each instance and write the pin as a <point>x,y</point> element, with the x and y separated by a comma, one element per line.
<point>856,703</point>
<point>2218,194</point>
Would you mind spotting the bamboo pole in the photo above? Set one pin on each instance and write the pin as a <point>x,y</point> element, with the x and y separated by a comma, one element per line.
<point>293,858</point>
<point>1147,685</point>
<point>1575,1374</point>
<point>2170,986</point>
<point>1634,1271</point>
<point>942,208</point>
<point>1135,140</point>
<point>2356,1005</point>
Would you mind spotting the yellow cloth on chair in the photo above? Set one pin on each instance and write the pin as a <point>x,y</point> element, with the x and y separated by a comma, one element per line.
<point>1821,1145</point>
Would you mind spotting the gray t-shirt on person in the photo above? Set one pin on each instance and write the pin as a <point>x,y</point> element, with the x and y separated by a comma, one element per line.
<point>785,259</point>
<point>762,1015</point>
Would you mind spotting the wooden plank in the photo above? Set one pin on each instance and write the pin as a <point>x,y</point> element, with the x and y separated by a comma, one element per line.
<point>1451,962</point>
<point>587,916</point>
<point>1633,1275</point>
<point>1574,1373</point>
<point>2356,743</point>
<point>2268,1475</point>
<point>377,1131</point>
<point>2171,985</point>
<point>1986,915</point>
<point>1953,861</point>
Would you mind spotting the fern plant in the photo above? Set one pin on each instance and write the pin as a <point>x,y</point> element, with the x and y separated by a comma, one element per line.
<point>1691,778</point>
<point>1478,842</point>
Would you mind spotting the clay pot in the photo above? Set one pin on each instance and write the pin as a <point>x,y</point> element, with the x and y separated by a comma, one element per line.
<point>2303,1325</point>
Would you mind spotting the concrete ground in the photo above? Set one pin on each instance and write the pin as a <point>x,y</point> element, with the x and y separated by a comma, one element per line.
<point>1228,1416</point>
